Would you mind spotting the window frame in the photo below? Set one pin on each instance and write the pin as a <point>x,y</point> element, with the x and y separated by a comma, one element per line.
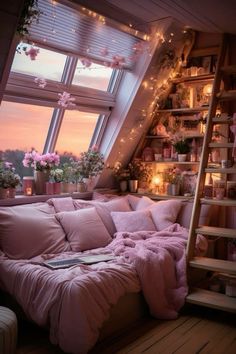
<point>21,88</point>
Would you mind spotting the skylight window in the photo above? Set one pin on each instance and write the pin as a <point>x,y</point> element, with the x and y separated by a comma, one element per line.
<point>76,132</point>
<point>95,76</point>
<point>48,64</point>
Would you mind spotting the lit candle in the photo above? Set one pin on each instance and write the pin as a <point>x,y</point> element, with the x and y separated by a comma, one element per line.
<point>29,191</point>
<point>28,185</point>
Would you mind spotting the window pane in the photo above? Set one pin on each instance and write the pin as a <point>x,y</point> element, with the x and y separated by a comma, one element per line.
<point>23,127</point>
<point>47,64</point>
<point>76,132</point>
<point>96,76</point>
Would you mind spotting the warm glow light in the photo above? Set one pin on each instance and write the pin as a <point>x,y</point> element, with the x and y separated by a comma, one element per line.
<point>156,180</point>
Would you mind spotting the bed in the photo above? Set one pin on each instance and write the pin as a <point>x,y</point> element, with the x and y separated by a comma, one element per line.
<point>75,304</point>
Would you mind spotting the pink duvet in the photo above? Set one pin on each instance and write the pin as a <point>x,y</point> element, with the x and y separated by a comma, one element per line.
<point>74,302</point>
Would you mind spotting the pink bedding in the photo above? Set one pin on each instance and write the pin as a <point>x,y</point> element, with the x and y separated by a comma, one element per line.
<point>75,302</point>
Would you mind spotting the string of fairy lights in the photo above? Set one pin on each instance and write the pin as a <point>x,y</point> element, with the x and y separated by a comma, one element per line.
<point>153,84</point>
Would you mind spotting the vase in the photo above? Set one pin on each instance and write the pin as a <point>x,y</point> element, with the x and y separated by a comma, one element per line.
<point>57,188</point>
<point>4,192</point>
<point>175,189</point>
<point>182,157</point>
<point>81,187</point>
<point>133,185</point>
<point>89,183</point>
<point>123,186</point>
<point>40,178</point>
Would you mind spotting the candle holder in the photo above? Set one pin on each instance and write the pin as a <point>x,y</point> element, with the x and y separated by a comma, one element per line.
<point>28,185</point>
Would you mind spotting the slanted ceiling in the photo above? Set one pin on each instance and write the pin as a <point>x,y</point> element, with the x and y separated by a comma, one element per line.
<point>215,16</point>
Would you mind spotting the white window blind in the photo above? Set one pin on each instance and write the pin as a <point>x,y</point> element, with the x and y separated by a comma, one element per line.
<point>73,31</point>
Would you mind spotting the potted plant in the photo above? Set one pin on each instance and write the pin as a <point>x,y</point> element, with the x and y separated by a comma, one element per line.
<point>42,165</point>
<point>121,174</point>
<point>9,180</point>
<point>182,148</point>
<point>138,172</point>
<point>56,177</point>
<point>89,165</point>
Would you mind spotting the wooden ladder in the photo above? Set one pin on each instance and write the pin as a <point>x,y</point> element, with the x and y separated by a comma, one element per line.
<point>198,295</point>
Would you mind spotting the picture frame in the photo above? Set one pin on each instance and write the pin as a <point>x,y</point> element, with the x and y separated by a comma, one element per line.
<point>206,64</point>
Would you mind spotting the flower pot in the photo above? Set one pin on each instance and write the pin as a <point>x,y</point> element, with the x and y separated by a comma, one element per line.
<point>175,189</point>
<point>11,192</point>
<point>4,192</point>
<point>81,187</point>
<point>41,177</point>
<point>182,157</point>
<point>123,186</point>
<point>89,183</point>
<point>49,188</point>
<point>57,188</point>
<point>133,185</point>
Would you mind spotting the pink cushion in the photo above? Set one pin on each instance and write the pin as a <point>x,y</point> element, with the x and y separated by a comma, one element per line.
<point>132,221</point>
<point>84,229</point>
<point>27,231</point>
<point>185,213</point>
<point>62,204</point>
<point>133,201</point>
<point>104,209</point>
<point>144,203</point>
<point>103,197</point>
<point>164,213</point>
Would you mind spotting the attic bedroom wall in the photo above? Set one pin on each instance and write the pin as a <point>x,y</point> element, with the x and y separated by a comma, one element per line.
<point>9,14</point>
<point>133,114</point>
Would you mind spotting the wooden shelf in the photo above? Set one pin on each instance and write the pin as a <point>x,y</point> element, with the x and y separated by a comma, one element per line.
<point>222,202</point>
<point>221,145</point>
<point>163,196</point>
<point>198,78</point>
<point>221,170</point>
<point>211,299</point>
<point>229,69</point>
<point>216,265</point>
<point>172,162</point>
<point>216,231</point>
<point>227,95</point>
<point>184,110</point>
<point>221,121</point>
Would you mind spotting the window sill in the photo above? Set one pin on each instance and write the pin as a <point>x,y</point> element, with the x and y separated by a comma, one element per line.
<point>22,199</point>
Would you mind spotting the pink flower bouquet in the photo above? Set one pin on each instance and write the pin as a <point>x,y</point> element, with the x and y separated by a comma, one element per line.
<point>41,162</point>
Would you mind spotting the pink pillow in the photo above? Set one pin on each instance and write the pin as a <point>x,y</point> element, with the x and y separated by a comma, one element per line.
<point>28,231</point>
<point>84,229</point>
<point>132,221</point>
<point>133,201</point>
<point>62,204</point>
<point>206,214</point>
<point>144,203</point>
<point>104,210</point>
<point>103,197</point>
<point>164,213</point>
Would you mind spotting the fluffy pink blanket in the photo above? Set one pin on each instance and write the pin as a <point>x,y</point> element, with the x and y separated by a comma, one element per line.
<point>75,302</point>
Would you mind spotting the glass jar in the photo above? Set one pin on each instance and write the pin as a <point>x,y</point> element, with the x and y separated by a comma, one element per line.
<point>28,185</point>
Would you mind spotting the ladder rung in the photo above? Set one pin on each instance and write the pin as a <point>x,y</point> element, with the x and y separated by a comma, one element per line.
<point>222,202</point>
<point>216,231</point>
<point>221,120</point>
<point>217,265</point>
<point>221,145</point>
<point>211,299</point>
<point>229,69</point>
<point>226,95</point>
<point>221,170</point>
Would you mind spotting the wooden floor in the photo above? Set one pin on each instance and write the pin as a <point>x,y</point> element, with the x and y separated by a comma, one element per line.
<point>197,330</point>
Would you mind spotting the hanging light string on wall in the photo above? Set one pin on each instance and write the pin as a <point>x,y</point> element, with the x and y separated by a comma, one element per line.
<point>159,88</point>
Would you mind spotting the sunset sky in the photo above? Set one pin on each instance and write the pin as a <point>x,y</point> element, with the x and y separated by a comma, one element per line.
<point>24,126</point>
